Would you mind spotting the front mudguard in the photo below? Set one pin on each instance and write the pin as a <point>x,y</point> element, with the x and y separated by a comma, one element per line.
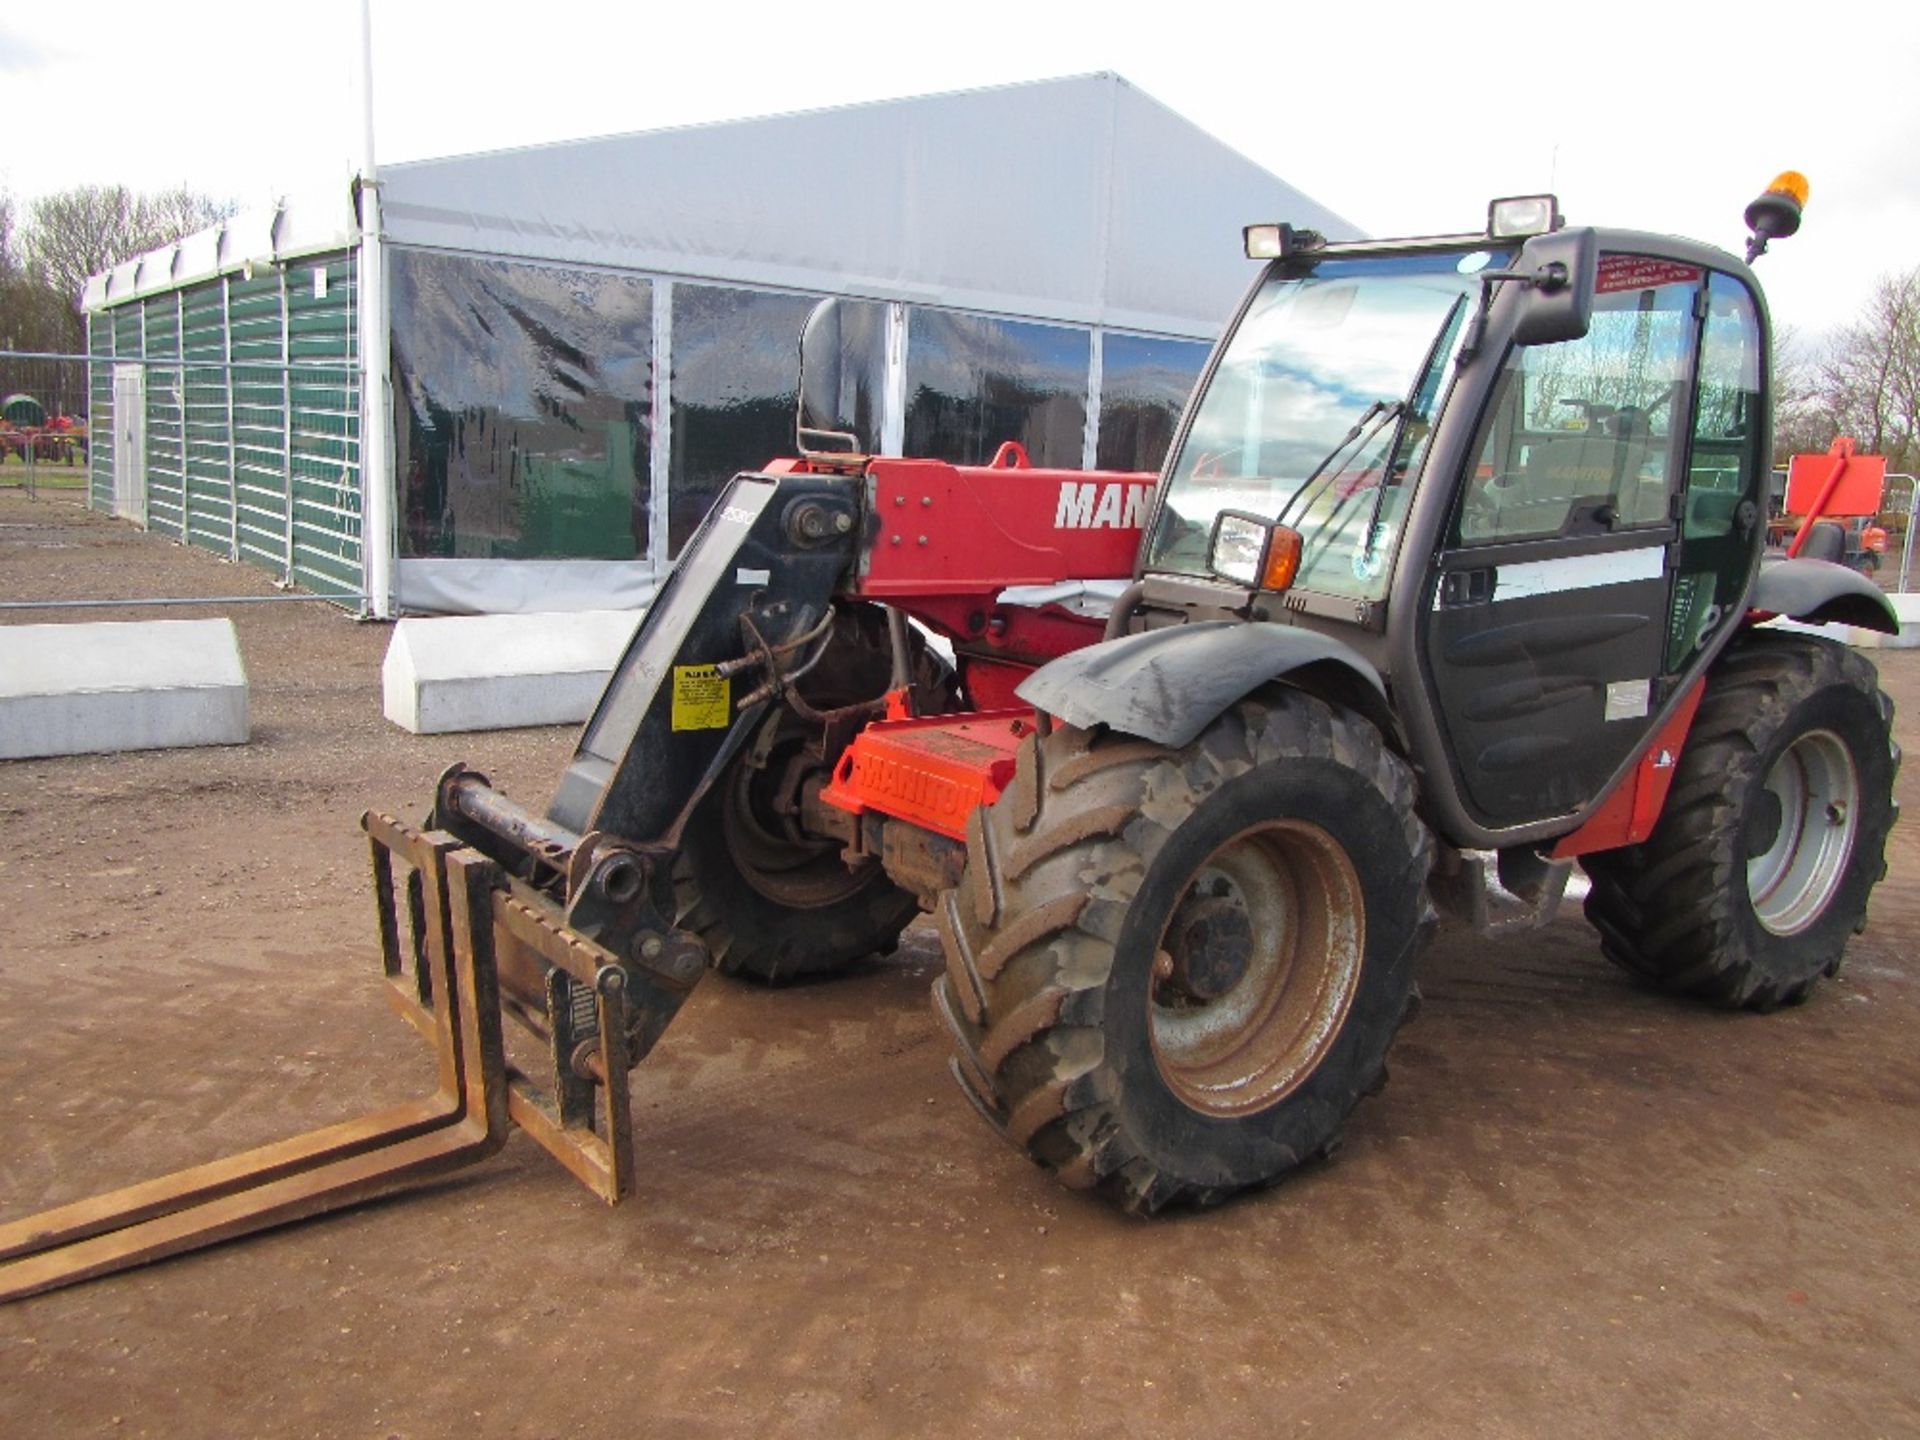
<point>1819,592</point>
<point>1168,685</point>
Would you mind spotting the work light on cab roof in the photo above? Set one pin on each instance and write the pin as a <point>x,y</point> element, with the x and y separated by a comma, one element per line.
<point>1516,216</point>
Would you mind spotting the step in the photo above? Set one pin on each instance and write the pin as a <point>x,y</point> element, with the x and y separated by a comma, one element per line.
<point>500,672</point>
<point>106,687</point>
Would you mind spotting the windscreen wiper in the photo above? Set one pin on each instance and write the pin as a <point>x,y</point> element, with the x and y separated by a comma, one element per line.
<point>1370,421</point>
<point>1420,401</point>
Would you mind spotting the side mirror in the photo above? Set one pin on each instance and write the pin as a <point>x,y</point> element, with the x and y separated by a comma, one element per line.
<point>821,427</point>
<point>1560,271</point>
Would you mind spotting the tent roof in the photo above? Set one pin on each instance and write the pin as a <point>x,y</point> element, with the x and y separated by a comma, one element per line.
<point>1081,200</point>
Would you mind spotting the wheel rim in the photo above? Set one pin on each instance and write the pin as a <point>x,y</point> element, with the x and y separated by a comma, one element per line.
<point>1793,873</point>
<point>765,841</point>
<point>1256,968</point>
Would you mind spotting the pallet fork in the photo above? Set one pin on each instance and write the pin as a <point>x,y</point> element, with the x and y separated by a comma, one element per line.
<point>464,921</point>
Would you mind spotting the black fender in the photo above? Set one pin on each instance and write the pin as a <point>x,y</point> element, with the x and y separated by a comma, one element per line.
<point>1168,685</point>
<point>1820,592</point>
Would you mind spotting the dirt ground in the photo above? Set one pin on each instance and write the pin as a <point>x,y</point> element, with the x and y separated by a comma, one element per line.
<point>1580,1209</point>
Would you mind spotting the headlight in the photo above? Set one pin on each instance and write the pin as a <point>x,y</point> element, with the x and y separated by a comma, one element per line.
<point>1252,551</point>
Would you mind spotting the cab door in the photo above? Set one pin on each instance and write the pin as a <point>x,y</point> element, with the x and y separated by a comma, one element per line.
<point>1546,629</point>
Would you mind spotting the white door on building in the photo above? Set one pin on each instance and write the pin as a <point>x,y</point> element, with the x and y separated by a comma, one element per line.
<point>130,442</point>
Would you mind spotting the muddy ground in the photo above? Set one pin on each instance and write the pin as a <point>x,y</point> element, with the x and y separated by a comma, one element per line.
<point>1580,1209</point>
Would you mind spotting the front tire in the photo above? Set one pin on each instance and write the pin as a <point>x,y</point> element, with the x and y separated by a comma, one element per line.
<point>1773,835</point>
<point>1172,973</point>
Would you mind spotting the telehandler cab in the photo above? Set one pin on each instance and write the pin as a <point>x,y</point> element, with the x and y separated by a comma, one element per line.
<point>1451,578</point>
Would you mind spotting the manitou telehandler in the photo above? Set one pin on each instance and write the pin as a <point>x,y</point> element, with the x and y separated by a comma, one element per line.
<point>1450,582</point>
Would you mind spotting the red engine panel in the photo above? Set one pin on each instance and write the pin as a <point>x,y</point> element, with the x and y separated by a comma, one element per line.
<point>931,772</point>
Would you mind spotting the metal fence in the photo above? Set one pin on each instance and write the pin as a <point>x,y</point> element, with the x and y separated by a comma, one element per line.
<point>1897,504</point>
<point>43,422</point>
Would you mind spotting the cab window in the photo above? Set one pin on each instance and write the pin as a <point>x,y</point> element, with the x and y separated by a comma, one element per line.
<point>1723,502</point>
<point>1580,437</point>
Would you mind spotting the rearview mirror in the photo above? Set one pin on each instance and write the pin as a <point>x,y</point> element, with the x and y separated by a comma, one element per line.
<point>1559,269</point>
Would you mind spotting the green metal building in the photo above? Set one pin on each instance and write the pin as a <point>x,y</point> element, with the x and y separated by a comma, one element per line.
<point>225,399</point>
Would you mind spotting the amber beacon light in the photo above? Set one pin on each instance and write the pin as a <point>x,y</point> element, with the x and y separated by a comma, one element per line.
<point>1776,214</point>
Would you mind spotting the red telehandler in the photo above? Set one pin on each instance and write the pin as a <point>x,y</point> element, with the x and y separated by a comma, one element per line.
<point>1450,581</point>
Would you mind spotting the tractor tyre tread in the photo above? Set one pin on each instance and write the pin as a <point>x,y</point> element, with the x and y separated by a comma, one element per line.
<point>1031,934</point>
<point>1674,910</point>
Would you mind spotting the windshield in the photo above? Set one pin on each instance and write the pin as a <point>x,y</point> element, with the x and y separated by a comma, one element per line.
<point>1319,410</point>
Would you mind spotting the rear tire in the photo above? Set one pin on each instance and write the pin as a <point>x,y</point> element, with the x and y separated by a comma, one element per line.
<point>771,903</point>
<point>1172,973</point>
<point>1773,835</point>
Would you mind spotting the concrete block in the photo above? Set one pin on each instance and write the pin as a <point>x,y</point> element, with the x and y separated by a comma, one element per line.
<point>145,685</point>
<point>497,672</point>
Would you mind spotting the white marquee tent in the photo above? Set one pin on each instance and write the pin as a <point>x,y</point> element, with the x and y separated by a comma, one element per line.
<point>551,357</point>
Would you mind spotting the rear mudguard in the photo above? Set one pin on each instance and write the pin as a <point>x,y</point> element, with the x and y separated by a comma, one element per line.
<point>1819,592</point>
<point>1168,685</point>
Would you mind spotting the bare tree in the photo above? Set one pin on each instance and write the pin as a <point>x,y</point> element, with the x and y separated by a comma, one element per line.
<point>9,262</point>
<point>1869,378</point>
<point>81,232</point>
<point>1803,422</point>
<point>90,228</point>
<point>173,214</point>
<point>32,316</point>
<point>77,233</point>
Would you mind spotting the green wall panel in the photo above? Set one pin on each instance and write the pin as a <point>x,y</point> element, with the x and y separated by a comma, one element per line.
<point>253,423</point>
<point>254,315</point>
<point>100,413</point>
<point>323,393</point>
<point>209,473</point>
<point>166,471</point>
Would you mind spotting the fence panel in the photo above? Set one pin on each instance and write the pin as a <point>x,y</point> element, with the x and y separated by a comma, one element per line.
<point>43,422</point>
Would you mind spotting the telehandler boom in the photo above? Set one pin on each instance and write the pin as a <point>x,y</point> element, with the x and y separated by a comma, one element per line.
<point>1450,581</point>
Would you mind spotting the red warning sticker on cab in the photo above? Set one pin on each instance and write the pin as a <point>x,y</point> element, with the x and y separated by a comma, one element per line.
<point>1642,272</point>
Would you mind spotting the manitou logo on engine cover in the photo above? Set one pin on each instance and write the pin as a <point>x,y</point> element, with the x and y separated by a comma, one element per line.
<point>1117,505</point>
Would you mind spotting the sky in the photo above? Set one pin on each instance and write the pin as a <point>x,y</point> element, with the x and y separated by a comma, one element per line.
<point>1404,118</point>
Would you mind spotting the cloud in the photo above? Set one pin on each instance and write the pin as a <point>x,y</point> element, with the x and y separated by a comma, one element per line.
<point>21,56</point>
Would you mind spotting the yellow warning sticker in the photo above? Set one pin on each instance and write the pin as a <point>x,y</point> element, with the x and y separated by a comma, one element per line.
<point>702,698</point>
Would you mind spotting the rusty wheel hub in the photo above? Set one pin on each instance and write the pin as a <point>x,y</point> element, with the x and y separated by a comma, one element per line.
<point>1257,968</point>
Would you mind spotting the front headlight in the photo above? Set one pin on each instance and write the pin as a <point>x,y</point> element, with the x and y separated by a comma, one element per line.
<point>1253,551</point>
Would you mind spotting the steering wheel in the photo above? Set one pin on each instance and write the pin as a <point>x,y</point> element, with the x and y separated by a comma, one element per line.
<point>1631,417</point>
